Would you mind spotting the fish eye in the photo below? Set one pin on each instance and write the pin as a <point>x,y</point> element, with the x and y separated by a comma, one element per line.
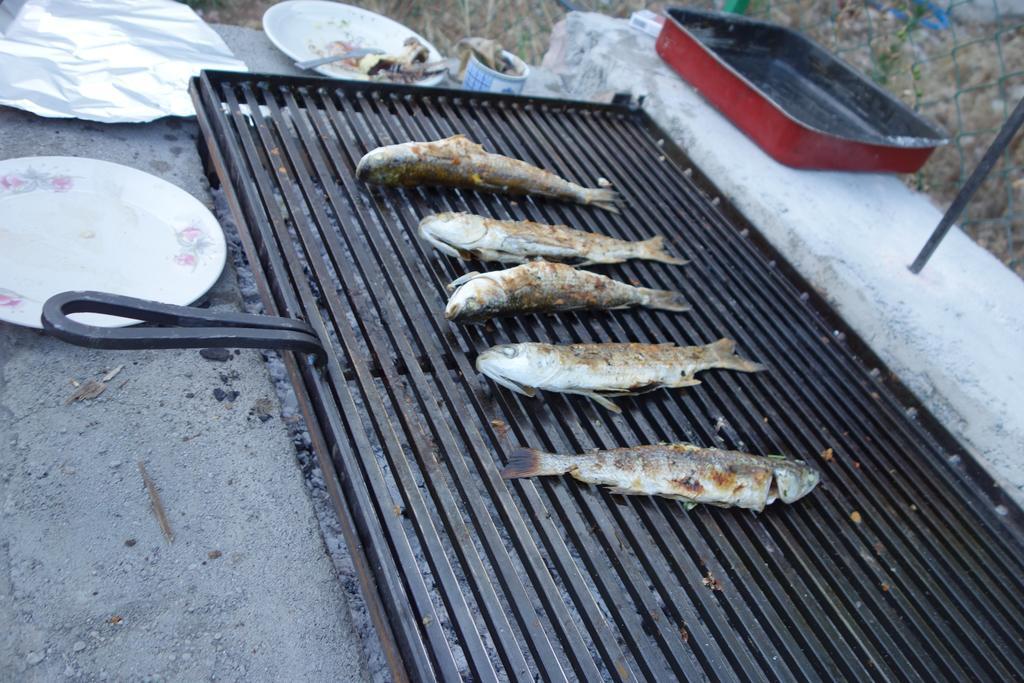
<point>509,351</point>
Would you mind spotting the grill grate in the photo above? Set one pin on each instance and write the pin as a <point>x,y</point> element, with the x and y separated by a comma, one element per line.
<point>469,576</point>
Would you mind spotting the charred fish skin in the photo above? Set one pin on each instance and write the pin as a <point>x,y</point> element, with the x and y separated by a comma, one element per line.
<point>468,236</point>
<point>603,371</point>
<point>679,471</point>
<point>458,162</point>
<point>545,287</point>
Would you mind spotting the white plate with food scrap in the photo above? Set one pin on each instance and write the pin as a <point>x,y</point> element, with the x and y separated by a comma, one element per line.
<point>68,223</point>
<point>307,29</point>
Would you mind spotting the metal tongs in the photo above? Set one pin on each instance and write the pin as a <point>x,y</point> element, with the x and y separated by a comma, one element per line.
<point>184,327</point>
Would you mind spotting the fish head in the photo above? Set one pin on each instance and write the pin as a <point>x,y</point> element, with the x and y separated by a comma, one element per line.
<point>475,299</point>
<point>794,480</point>
<point>519,367</point>
<point>388,165</point>
<point>453,228</point>
<point>452,232</point>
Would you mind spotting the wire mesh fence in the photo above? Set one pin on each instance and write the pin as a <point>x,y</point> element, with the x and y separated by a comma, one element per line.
<point>959,62</point>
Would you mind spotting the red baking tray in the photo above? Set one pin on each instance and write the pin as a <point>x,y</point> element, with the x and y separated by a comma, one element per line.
<point>801,104</point>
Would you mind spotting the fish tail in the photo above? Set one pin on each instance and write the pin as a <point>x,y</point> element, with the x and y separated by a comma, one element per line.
<point>723,355</point>
<point>653,249</point>
<point>529,462</point>
<point>602,198</point>
<point>665,300</point>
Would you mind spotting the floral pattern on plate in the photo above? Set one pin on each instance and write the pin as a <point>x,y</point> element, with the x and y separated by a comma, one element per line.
<point>10,299</point>
<point>79,223</point>
<point>31,179</point>
<point>193,242</point>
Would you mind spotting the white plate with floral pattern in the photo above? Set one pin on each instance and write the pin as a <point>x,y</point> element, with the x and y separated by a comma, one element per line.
<point>69,223</point>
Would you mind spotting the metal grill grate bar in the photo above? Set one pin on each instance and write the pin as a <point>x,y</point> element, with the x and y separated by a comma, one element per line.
<point>489,579</point>
<point>620,333</point>
<point>509,515</point>
<point>413,217</point>
<point>527,621</point>
<point>866,492</point>
<point>550,335</point>
<point>435,553</point>
<point>996,580</point>
<point>791,440</point>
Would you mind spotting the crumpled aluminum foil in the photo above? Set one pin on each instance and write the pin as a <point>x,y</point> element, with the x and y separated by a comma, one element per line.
<point>106,60</point>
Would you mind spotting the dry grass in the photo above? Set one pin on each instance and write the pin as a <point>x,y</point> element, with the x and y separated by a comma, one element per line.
<point>966,78</point>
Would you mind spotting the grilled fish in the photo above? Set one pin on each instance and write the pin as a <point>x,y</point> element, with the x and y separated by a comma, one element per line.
<point>459,162</point>
<point>469,236</point>
<point>543,287</point>
<point>681,471</point>
<point>603,371</point>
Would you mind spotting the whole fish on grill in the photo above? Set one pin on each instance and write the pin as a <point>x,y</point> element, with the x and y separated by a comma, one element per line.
<point>459,162</point>
<point>544,287</point>
<point>603,371</point>
<point>680,471</point>
<point>470,236</point>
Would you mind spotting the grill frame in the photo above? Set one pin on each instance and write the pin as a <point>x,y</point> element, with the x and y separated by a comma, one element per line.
<point>630,629</point>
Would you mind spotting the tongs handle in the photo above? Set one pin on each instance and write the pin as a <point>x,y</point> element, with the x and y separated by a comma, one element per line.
<point>200,328</point>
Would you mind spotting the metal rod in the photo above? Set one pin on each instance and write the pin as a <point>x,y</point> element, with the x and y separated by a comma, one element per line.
<point>981,171</point>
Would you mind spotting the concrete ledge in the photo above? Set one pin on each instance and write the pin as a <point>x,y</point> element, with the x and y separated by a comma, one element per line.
<point>954,335</point>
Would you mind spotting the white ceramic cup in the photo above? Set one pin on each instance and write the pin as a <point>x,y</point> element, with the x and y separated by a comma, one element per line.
<point>484,79</point>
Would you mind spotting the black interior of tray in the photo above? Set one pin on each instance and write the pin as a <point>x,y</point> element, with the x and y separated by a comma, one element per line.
<point>809,83</point>
<point>485,579</point>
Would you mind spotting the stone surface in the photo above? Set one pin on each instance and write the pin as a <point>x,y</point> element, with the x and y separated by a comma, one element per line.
<point>952,334</point>
<point>255,48</point>
<point>89,587</point>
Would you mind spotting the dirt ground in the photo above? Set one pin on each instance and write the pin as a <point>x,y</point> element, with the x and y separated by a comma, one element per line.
<point>964,76</point>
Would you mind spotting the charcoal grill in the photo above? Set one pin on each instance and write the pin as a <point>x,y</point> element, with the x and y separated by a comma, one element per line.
<point>468,576</point>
